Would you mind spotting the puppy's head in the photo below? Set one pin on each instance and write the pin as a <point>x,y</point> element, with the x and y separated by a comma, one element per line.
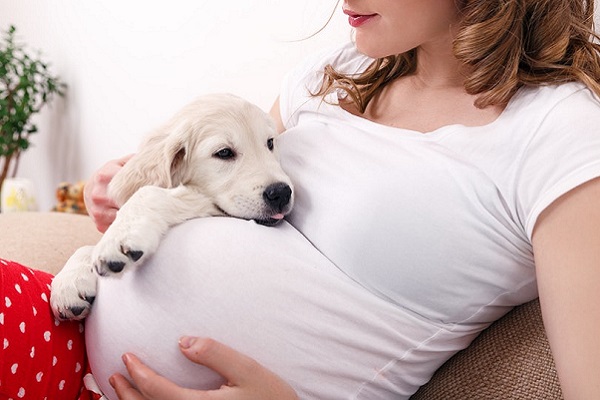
<point>223,146</point>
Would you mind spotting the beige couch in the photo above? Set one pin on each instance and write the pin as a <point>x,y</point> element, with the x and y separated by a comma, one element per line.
<point>510,360</point>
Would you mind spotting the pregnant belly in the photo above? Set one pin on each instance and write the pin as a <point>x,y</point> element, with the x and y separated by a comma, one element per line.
<point>264,291</point>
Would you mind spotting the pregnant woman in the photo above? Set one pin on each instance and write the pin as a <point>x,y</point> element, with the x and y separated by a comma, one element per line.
<point>446,168</point>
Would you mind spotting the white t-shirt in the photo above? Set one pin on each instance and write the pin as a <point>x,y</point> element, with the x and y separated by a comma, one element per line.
<point>401,248</point>
<point>439,223</point>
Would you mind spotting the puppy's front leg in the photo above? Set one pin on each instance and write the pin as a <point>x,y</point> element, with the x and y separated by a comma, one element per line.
<point>141,223</point>
<point>74,287</point>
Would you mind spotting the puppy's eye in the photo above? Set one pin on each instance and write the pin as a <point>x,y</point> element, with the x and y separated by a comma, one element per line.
<point>225,154</point>
<point>270,144</point>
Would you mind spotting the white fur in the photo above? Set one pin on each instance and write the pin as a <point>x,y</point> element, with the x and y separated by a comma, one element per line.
<point>178,175</point>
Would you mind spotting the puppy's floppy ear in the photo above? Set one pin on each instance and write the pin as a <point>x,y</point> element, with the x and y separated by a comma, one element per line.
<point>160,161</point>
<point>178,151</point>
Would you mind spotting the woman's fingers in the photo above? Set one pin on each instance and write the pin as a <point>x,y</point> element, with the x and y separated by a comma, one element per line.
<point>247,379</point>
<point>102,208</point>
<point>235,367</point>
<point>150,384</point>
<point>124,389</point>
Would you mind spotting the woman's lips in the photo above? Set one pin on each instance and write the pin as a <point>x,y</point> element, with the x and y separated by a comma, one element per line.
<point>355,20</point>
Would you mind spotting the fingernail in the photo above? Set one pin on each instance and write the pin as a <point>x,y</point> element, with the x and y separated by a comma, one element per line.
<point>111,380</point>
<point>186,342</point>
<point>126,358</point>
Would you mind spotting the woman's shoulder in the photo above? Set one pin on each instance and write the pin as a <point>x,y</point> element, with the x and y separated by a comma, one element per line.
<point>345,59</point>
<point>306,78</point>
<point>568,107</point>
<point>571,96</point>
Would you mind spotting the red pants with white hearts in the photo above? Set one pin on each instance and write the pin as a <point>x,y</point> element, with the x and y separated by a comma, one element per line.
<point>41,358</point>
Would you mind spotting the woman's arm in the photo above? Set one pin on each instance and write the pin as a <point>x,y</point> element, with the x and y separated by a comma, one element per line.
<point>566,244</point>
<point>246,379</point>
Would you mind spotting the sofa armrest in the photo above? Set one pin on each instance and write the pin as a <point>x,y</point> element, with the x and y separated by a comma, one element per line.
<point>510,360</point>
<point>44,240</point>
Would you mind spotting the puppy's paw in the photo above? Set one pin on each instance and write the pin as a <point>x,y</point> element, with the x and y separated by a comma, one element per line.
<point>72,301</point>
<point>74,289</point>
<point>116,252</point>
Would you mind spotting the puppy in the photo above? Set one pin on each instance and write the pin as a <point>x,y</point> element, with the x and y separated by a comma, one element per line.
<point>216,157</point>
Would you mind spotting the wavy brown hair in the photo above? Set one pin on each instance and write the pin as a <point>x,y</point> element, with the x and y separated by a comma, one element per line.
<point>507,44</point>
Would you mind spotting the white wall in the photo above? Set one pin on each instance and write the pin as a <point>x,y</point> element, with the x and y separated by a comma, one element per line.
<point>130,64</point>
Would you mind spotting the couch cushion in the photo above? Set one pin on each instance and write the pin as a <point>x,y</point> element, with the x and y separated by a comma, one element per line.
<point>44,240</point>
<point>510,360</point>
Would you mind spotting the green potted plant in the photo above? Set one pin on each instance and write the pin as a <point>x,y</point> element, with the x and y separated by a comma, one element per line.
<point>26,85</point>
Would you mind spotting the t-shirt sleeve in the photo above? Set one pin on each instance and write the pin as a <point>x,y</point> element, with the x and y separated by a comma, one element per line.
<point>563,154</point>
<point>301,82</point>
<point>296,88</point>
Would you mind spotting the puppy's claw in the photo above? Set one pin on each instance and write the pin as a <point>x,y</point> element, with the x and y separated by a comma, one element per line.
<point>89,299</point>
<point>135,254</point>
<point>77,311</point>
<point>73,313</point>
<point>115,266</point>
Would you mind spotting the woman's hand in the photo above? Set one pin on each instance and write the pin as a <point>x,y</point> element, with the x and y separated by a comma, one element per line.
<point>246,379</point>
<point>102,208</point>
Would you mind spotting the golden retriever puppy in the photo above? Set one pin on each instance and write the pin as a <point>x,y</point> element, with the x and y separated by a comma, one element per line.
<point>216,157</point>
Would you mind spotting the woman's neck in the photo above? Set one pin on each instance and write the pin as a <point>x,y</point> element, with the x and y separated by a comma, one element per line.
<point>432,97</point>
<point>437,66</point>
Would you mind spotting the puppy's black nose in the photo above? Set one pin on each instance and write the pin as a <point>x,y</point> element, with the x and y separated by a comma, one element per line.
<point>277,195</point>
